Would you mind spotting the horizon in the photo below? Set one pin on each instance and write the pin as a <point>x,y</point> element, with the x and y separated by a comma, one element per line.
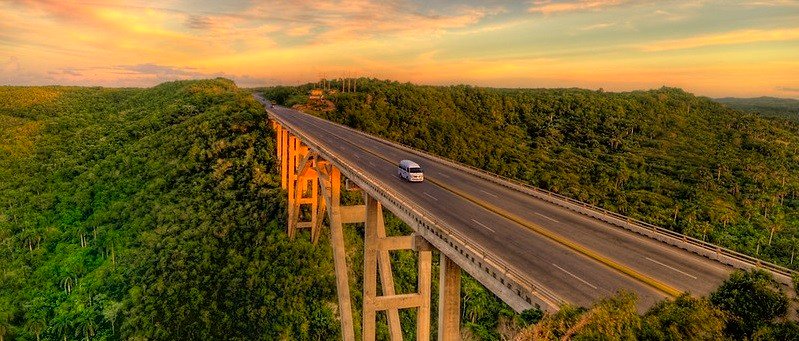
<point>392,80</point>
<point>715,49</point>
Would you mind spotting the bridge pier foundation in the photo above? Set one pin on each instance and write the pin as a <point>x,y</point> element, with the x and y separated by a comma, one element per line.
<point>314,191</point>
<point>376,256</point>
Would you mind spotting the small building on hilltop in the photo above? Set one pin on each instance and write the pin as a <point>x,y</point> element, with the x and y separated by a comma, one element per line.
<point>316,94</point>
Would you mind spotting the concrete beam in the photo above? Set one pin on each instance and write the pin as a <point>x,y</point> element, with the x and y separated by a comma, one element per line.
<point>353,214</point>
<point>402,301</point>
<point>397,243</point>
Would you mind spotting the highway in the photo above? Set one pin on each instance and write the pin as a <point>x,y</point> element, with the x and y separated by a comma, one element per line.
<point>579,258</point>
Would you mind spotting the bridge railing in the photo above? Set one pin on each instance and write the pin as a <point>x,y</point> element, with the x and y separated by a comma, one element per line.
<point>700,247</point>
<point>468,250</point>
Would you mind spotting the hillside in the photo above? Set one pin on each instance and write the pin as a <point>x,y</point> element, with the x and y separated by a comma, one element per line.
<point>767,106</point>
<point>149,214</point>
<point>664,156</point>
<point>157,214</point>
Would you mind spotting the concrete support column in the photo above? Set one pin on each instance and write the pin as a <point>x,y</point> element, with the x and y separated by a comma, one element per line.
<point>387,277</point>
<point>291,182</point>
<point>283,137</point>
<point>370,269</point>
<point>376,255</point>
<point>330,186</point>
<point>278,139</point>
<point>424,282</point>
<point>449,300</point>
<point>321,207</point>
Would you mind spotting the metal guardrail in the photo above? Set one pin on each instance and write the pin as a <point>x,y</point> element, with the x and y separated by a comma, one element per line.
<point>427,220</point>
<point>700,247</point>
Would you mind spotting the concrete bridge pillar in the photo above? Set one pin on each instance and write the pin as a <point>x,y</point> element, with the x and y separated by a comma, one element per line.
<point>376,248</point>
<point>314,188</point>
<point>449,300</point>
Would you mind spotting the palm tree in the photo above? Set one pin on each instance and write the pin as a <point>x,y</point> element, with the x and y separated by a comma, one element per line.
<point>36,327</point>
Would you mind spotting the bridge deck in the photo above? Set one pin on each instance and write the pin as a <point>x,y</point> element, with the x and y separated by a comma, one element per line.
<point>466,203</point>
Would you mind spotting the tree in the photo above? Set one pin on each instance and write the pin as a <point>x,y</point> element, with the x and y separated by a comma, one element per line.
<point>683,318</point>
<point>750,299</point>
<point>614,318</point>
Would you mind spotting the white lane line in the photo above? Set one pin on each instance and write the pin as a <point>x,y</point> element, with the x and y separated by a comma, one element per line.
<point>483,225</point>
<point>434,198</point>
<point>371,163</point>
<point>673,268</point>
<point>356,156</point>
<point>491,194</point>
<point>575,276</point>
<point>547,217</point>
<point>442,174</point>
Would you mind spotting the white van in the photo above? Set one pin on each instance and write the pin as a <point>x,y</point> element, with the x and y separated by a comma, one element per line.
<point>410,171</point>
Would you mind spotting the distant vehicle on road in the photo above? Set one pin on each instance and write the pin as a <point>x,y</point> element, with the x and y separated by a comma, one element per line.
<point>410,171</point>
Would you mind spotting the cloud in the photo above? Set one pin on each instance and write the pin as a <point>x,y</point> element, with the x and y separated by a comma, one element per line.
<point>724,38</point>
<point>323,21</point>
<point>11,65</point>
<point>151,69</point>
<point>66,72</point>
<point>788,88</point>
<point>599,26</point>
<point>549,6</point>
<point>198,22</point>
<point>150,73</point>
<point>772,3</point>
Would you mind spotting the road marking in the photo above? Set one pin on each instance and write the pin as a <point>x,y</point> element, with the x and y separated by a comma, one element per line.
<point>575,276</point>
<point>442,174</point>
<point>652,282</point>
<point>673,268</point>
<point>555,220</point>
<point>371,163</point>
<point>491,194</point>
<point>483,225</point>
<point>356,156</point>
<point>434,198</point>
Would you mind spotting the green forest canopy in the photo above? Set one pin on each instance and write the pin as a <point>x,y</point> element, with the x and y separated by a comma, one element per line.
<point>663,156</point>
<point>157,214</point>
<point>785,108</point>
<point>149,214</point>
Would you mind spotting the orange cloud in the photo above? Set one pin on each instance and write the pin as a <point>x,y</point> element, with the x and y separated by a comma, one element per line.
<point>358,19</point>
<point>726,38</point>
<point>548,7</point>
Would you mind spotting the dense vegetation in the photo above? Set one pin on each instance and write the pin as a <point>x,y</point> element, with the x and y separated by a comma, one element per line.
<point>767,106</point>
<point>157,214</point>
<point>748,306</point>
<point>662,156</point>
<point>149,214</point>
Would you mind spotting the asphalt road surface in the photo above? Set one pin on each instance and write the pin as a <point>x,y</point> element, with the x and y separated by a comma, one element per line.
<point>572,275</point>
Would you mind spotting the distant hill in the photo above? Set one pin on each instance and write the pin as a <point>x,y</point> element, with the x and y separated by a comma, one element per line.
<point>767,106</point>
<point>664,156</point>
<point>157,214</point>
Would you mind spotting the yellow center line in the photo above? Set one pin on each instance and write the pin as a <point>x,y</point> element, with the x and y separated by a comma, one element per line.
<point>652,282</point>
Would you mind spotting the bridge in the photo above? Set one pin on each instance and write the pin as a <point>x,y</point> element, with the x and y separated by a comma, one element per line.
<point>530,247</point>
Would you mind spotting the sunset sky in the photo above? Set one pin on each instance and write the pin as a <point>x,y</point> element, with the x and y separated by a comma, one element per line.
<point>712,48</point>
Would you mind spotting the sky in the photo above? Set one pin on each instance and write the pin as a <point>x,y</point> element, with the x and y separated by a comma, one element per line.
<point>735,48</point>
